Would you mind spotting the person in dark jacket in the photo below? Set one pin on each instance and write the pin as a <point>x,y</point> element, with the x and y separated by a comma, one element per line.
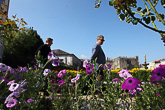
<point>98,53</point>
<point>44,51</point>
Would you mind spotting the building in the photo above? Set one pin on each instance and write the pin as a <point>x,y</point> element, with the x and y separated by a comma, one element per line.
<point>4,7</point>
<point>156,63</point>
<point>67,58</point>
<point>124,62</point>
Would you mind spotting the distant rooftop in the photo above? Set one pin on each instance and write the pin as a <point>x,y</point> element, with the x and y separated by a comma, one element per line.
<point>159,60</point>
<point>60,52</point>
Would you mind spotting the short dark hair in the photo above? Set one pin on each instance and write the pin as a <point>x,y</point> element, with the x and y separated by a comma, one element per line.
<point>49,39</point>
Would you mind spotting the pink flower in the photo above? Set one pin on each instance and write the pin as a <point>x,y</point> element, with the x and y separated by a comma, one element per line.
<point>53,58</point>
<point>124,73</point>
<point>130,83</point>
<point>30,100</point>
<point>89,69</point>
<point>85,63</point>
<point>14,87</point>
<point>3,67</point>
<point>62,73</point>
<point>11,70</point>
<point>10,97</point>
<point>107,66</point>
<point>116,80</point>
<point>158,94</point>
<point>52,81</point>
<point>11,103</point>
<point>157,74</point>
<point>73,80</point>
<point>61,82</point>
<point>9,83</point>
<point>46,71</point>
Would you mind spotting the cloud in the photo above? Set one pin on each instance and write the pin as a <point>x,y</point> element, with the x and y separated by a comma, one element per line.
<point>84,56</point>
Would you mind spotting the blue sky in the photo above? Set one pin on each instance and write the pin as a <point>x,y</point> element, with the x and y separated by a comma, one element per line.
<point>75,24</point>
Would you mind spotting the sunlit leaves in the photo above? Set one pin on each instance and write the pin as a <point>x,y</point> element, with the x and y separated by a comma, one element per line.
<point>139,9</point>
<point>97,3</point>
<point>128,20</point>
<point>144,11</point>
<point>134,22</point>
<point>111,2</point>
<point>122,17</point>
<point>153,18</point>
<point>163,3</point>
<point>146,19</point>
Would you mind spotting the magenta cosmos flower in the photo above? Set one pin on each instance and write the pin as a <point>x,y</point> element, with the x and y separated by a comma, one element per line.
<point>11,103</point>
<point>107,66</point>
<point>62,73</point>
<point>61,82</point>
<point>46,71</point>
<point>116,80</point>
<point>14,87</point>
<point>3,67</point>
<point>23,69</point>
<point>130,83</point>
<point>52,81</point>
<point>10,82</point>
<point>75,79</point>
<point>89,69</point>
<point>53,58</point>
<point>136,90</point>
<point>10,97</point>
<point>157,74</point>
<point>11,70</point>
<point>55,62</point>
<point>85,63</point>
<point>124,73</point>
<point>30,100</point>
<point>51,55</point>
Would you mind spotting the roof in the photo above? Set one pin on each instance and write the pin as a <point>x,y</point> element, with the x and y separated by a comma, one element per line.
<point>159,60</point>
<point>60,52</point>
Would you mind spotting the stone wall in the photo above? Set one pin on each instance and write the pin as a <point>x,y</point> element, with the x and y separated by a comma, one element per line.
<point>124,62</point>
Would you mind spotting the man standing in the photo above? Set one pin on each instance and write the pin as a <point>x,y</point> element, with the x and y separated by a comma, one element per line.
<point>44,51</point>
<point>98,53</point>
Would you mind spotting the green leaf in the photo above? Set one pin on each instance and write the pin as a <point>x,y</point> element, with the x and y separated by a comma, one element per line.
<point>128,20</point>
<point>151,13</point>
<point>153,18</point>
<point>122,17</point>
<point>118,11</point>
<point>135,21</point>
<point>144,18</point>
<point>111,3</point>
<point>163,3</point>
<point>139,9</point>
<point>147,20</point>
<point>144,11</point>
<point>134,5</point>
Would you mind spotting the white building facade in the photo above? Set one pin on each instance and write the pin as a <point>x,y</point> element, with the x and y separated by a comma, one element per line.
<point>156,63</point>
<point>67,58</point>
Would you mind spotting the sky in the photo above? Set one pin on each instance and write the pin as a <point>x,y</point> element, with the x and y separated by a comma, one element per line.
<point>75,24</point>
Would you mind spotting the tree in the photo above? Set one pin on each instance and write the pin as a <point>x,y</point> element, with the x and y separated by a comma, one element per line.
<point>128,11</point>
<point>20,49</point>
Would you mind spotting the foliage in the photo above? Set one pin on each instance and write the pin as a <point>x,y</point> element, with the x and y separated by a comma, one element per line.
<point>20,50</point>
<point>81,94</point>
<point>130,12</point>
